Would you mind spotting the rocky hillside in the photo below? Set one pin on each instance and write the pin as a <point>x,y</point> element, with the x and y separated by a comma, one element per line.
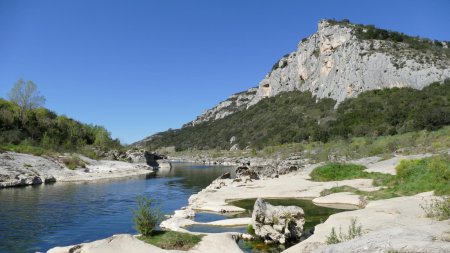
<point>341,60</point>
<point>298,116</point>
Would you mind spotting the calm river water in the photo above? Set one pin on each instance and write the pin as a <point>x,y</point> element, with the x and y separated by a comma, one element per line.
<point>34,219</point>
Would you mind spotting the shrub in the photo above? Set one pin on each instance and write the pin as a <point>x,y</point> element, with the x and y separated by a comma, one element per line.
<point>251,230</point>
<point>428,174</point>
<point>146,216</point>
<point>338,171</point>
<point>354,230</point>
<point>72,162</point>
<point>438,208</point>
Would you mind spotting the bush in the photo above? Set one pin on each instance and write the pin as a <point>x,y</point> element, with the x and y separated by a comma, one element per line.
<point>438,208</point>
<point>251,230</point>
<point>338,171</point>
<point>428,174</point>
<point>147,216</point>
<point>73,162</point>
<point>354,230</point>
<point>413,177</point>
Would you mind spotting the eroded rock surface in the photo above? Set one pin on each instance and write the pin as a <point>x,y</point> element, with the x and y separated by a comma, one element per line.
<point>277,223</point>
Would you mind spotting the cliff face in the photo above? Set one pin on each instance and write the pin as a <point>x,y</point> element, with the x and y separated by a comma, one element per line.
<point>236,102</point>
<point>338,62</point>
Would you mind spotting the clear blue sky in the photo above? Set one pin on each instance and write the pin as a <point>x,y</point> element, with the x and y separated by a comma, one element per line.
<point>139,67</point>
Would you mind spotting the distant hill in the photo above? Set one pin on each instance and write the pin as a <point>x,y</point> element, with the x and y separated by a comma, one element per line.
<point>340,61</point>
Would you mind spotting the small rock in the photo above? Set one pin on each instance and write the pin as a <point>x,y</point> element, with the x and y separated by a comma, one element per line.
<point>226,175</point>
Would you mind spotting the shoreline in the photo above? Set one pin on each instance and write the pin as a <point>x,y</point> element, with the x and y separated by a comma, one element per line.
<point>20,170</point>
<point>400,218</point>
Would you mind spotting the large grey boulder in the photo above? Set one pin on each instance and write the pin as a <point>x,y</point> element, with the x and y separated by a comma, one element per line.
<point>277,224</point>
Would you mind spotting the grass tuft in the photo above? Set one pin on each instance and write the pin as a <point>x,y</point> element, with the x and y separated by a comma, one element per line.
<point>354,230</point>
<point>413,177</point>
<point>72,162</point>
<point>172,240</point>
<point>438,209</point>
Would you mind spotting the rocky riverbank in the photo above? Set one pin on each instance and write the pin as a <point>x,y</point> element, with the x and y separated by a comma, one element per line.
<point>401,218</point>
<point>391,225</point>
<point>18,169</point>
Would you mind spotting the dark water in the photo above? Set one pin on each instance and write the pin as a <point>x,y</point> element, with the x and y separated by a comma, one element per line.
<point>41,217</point>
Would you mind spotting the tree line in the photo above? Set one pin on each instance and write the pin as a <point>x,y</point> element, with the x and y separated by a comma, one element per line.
<point>24,121</point>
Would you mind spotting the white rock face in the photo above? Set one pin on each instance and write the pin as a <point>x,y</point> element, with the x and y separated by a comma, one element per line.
<point>237,102</point>
<point>334,63</point>
<point>277,223</point>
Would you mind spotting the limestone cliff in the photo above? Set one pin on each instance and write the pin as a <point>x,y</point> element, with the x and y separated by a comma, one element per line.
<point>340,61</point>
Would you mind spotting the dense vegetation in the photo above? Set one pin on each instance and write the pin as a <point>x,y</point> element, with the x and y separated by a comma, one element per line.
<point>39,129</point>
<point>295,117</point>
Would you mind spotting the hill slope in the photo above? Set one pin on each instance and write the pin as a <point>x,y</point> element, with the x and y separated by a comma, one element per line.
<point>298,116</point>
<point>340,61</point>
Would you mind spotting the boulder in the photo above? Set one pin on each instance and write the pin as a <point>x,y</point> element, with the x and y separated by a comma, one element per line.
<point>234,147</point>
<point>287,169</point>
<point>244,171</point>
<point>266,171</point>
<point>226,175</point>
<point>277,224</point>
<point>136,156</point>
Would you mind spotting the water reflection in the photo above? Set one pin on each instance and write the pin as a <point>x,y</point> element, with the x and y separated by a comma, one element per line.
<point>40,217</point>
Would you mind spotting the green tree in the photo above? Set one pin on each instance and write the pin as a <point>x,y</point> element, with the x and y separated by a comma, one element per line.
<point>147,216</point>
<point>26,96</point>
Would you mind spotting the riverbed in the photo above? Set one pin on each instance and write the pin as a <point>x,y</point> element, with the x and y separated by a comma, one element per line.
<point>37,218</point>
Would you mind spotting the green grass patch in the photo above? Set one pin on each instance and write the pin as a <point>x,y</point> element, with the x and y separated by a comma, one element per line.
<point>338,171</point>
<point>428,174</point>
<point>26,149</point>
<point>413,177</point>
<point>172,240</point>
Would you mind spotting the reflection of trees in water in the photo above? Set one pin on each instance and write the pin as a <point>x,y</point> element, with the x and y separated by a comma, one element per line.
<point>194,176</point>
<point>36,218</point>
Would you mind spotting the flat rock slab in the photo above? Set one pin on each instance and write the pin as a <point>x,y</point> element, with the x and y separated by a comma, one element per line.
<point>230,222</point>
<point>398,220</point>
<point>387,166</point>
<point>341,198</point>
<point>217,243</point>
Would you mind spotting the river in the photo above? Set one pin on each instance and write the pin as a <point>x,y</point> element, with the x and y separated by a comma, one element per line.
<point>36,218</point>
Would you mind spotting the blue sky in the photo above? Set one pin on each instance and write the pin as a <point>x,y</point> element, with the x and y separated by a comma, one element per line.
<point>139,67</point>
